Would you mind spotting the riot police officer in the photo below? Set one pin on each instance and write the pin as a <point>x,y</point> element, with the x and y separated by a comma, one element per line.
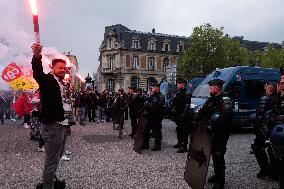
<point>266,159</point>
<point>118,108</point>
<point>154,110</point>
<point>277,144</point>
<point>134,106</point>
<point>181,104</point>
<point>219,128</point>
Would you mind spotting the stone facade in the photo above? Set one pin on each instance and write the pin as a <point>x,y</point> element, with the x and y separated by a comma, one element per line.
<point>133,58</point>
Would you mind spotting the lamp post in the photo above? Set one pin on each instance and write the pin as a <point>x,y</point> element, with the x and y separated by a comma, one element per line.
<point>89,83</point>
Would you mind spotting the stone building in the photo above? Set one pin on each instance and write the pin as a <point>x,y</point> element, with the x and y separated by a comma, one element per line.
<point>134,58</point>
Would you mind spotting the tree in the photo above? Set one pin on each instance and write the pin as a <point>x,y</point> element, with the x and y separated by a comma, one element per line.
<point>271,58</point>
<point>209,48</point>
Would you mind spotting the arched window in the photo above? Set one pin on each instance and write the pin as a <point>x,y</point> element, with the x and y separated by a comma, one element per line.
<point>135,62</point>
<point>150,81</point>
<point>151,63</point>
<point>110,85</point>
<point>135,82</point>
<point>165,63</point>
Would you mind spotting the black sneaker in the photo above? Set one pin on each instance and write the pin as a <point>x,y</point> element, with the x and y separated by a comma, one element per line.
<point>212,179</point>
<point>273,176</point>
<point>177,145</point>
<point>133,136</point>
<point>182,150</point>
<point>262,175</point>
<point>218,185</point>
<point>145,147</point>
<point>156,148</point>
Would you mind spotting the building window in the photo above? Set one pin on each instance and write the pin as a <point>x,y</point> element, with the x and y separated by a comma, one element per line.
<point>180,46</point>
<point>150,81</point>
<point>110,85</point>
<point>151,63</point>
<point>135,82</point>
<point>136,42</point>
<point>152,44</point>
<point>135,62</point>
<point>111,62</point>
<point>165,63</point>
<point>167,47</point>
<point>111,43</point>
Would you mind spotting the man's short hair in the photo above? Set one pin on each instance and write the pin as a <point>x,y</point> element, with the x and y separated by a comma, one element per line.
<point>181,81</point>
<point>155,84</point>
<point>55,61</point>
<point>120,90</point>
<point>132,88</point>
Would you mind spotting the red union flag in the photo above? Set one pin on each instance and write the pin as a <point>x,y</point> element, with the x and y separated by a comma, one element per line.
<point>11,72</point>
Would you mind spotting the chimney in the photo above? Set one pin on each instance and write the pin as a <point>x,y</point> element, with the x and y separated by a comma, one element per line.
<point>153,30</point>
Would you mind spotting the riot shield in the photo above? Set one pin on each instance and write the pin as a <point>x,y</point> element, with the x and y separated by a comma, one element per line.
<point>198,157</point>
<point>138,142</point>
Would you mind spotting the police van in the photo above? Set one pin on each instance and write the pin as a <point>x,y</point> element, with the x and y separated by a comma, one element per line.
<point>243,85</point>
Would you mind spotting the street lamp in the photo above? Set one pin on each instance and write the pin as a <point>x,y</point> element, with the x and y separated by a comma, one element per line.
<point>89,83</point>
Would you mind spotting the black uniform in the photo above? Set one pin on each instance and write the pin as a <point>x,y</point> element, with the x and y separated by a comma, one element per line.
<point>2,109</point>
<point>220,133</point>
<point>91,106</point>
<point>118,109</point>
<point>266,160</point>
<point>181,104</point>
<point>135,103</point>
<point>154,110</point>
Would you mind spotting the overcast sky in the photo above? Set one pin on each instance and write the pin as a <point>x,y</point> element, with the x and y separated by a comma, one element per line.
<point>78,25</point>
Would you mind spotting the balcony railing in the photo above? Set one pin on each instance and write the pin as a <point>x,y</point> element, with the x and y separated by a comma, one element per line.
<point>111,70</point>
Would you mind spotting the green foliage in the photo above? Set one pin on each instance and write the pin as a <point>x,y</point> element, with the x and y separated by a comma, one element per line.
<point>271,58</point>
<point>209,48</point>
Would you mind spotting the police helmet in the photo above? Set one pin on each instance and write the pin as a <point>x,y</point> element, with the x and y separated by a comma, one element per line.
<point>277,140</point>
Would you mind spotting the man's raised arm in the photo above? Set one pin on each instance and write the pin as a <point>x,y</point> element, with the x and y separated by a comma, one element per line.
<point>38,73</point>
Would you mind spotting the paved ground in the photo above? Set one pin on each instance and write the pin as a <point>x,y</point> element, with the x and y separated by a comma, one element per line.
<point>101,160</point>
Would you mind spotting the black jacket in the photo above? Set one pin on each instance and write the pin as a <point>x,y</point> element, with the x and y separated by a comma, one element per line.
<point>213,105</point>
<point>50,96</point>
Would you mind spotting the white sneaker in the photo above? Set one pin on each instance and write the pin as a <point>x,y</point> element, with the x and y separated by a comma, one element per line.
<point>65,158</point>
<point>26,126</point>
<point>13,119</point>
<point>40,149</point>
<point>67,153</point>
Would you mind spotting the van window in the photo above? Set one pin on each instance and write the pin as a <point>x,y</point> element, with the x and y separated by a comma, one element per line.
<point>201,91</point>
<point>223,74</point>
<point>253,89</point>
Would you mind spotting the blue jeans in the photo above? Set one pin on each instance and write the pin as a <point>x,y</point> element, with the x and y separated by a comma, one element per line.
<point>53,135</point>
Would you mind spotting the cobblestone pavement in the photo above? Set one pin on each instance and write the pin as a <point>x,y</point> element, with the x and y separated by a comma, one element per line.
<point>101,160</point>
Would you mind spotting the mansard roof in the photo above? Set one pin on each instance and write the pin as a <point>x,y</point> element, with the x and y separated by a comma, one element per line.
<point>122,33</point>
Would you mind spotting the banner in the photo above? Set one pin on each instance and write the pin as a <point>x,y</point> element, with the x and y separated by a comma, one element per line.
<point>17,79</point>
